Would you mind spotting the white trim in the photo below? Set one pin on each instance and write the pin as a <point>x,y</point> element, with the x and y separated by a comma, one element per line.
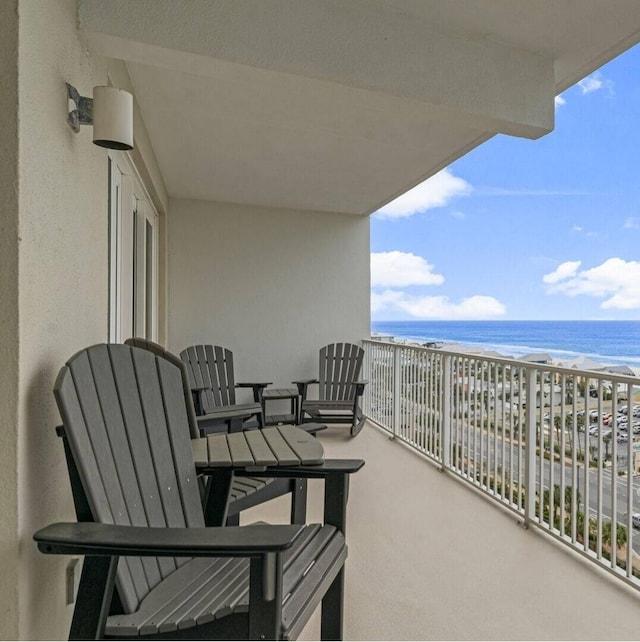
<point>131,191</point>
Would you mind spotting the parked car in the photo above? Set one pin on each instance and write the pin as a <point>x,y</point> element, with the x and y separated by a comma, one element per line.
<point>635,520</point>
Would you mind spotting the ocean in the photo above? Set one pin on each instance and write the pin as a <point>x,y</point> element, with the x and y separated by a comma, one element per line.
<point>609,342</point>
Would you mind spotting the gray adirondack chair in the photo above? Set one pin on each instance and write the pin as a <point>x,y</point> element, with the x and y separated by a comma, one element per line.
<point>151,568</point>
<point>339,390</point>
<point>246,491</point>
<point>211,379</point>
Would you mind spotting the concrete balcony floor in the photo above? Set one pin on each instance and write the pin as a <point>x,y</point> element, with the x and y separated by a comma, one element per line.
<point>429,558</point>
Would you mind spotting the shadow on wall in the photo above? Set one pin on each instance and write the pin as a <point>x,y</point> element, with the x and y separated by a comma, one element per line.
<point>45,496</point>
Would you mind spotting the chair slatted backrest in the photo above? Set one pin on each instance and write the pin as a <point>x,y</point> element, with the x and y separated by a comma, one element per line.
<point>340,365</point>
<point>161,351</point>
<point>125,419</point>
<point>211,368</point>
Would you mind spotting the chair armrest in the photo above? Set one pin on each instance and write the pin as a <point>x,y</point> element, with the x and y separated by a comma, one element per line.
<point>360,386</point>
<point>258,388</point>
<point>223,415</point>
<point>310,471</point>
<point>303,384</point>
<point>197,393</point>
<point>90,538</point>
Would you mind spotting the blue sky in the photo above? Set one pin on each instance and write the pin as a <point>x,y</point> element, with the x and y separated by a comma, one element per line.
<point>521,229</point>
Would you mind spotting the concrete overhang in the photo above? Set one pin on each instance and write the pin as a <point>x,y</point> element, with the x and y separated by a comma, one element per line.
<point>338,106</point>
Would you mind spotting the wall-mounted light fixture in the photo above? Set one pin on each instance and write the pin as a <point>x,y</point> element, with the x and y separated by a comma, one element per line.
<point>110,111</point>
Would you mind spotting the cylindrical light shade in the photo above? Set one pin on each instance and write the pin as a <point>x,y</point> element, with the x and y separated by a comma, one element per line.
<point>112,118</point>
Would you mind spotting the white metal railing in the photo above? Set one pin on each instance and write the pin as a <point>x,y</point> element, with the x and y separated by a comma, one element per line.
<point>558,446</point>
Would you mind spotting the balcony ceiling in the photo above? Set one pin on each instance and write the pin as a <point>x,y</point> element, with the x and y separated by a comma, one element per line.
<point>340,106</point>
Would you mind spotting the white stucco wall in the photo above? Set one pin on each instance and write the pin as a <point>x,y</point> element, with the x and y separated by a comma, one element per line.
<point>272,285</point>
<point>9,318</point>
<point>63,284</point>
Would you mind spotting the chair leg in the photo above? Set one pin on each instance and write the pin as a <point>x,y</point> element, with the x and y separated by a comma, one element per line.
<point>265,598</point>
<point>357,426</point>
<point>94,598</point>
<point>332,616</point>
<point>216,504</point>
<point>299,501</point>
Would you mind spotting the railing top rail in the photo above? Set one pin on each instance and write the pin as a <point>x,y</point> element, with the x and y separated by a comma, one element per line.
<point>512,361</point>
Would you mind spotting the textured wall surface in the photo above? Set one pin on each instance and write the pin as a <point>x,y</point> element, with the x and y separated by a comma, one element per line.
<point>272,285</point>
<point>9,317</point>
<point>63,283</point>
<point>53,289</point>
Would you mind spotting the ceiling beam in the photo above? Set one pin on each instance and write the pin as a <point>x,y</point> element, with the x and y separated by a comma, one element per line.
<point>475,82</point>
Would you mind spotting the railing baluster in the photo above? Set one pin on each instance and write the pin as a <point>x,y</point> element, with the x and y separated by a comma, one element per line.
<point>587,461</point>
<point>599,480</point>
<point>630,493</point>
<point>491,429</point>
<point>563,447</point>
<point>412,370</point>
<point>521,442</point>
<point>614,478</point>
<point>445,413</point>
<point>397,393</point>
<point>543,424</point>
<point>503,420</point>
<point>477,476</point>
<point>581,448</point>
<point>512,435</point>
<point>530,448</point>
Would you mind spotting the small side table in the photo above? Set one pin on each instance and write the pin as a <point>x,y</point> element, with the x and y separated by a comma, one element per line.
<point>272,394</point>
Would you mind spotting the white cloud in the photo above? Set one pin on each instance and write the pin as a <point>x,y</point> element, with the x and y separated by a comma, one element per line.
<point>436,191</point>
<point>564,271</point>
<point>631,222</point>
<point>385,300</point>
<point>615,280</point>
<point>578,229</point>
<point>590,83</point>
<point>438,307</point>
<point>559,101</point>
<point>525,191</point>
<point>401,269</point>
<point>595,82</point>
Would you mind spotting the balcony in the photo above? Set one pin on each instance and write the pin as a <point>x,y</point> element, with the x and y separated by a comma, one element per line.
<point>438,550</point>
